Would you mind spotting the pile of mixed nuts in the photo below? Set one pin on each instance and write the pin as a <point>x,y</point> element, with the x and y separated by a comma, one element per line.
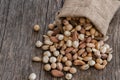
<point>76,45</point>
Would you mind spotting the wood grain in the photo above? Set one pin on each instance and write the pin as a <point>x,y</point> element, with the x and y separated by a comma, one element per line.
<point>17,39</point>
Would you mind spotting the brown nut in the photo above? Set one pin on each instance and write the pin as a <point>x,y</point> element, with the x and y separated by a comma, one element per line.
<point>69,56</point>
<point>81,51</point>
<point>83,45</point>
<point>57,73</point>
<point>74,36</point>
<point>69,50</point>
<point>88,40</point>
<point>54,39</point>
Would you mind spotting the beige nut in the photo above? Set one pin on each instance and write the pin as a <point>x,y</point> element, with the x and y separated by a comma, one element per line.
<point>45,47</point>
<point>68,63</point>
<point>59,66</point>
<point>78,62</point>
<point>84,67</point>
<point>66,68</point>
<point>73,70</point>
<point>87,58</point>
<point>99,60</point>
<point>36,59</point>
<point>36,28</point>
<point>47,67</point>
<point>109,57</point>
<point>51,26</point>
<point>53,65</point>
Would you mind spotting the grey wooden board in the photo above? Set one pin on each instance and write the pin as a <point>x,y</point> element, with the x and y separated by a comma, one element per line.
<point>17,39</point>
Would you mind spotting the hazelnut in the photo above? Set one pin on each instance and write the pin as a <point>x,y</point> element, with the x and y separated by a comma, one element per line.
<point>38,44</point>
<point>53,59</point>
<point>36,28</point>
<point>68,76</point>
<point>51,26</point>
<point>47,67</point>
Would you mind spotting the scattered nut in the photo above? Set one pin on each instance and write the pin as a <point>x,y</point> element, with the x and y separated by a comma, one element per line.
<point>66,68</point>
<point>91,62</point>
<point>45,59</point>
<point>53,65</point>
<point>47,53</point>
<point>51,26</point>
<point>73,70</point>
<point>36,28</point>
<point>47,67</point>
<point>36,59</point>
<point>57,73</point>
<point>38,44</point>
<point>68,63</point>
<point>53,59</point>
<point>109,57</point>
<point>85,67</point>
<point>68,76</point>
<point>32,76</point>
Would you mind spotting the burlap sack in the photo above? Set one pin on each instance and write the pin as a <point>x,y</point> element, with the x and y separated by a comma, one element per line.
<point>100,12</point>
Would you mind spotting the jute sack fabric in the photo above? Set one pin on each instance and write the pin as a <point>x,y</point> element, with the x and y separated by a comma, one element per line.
<point>100,12</point>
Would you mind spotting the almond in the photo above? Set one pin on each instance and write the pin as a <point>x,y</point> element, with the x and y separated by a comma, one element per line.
<point>88,40</point>
<point>69,50</point>
<point>75,56</point>
<point>75,36</point>
<point>57,73</point>
<point>82,31</point>
<point>69,56</point>
<point>83,45</point>
<point>56,31</point>
<point>79,62</point>
<point>54,39</point>
<point>81,51</point>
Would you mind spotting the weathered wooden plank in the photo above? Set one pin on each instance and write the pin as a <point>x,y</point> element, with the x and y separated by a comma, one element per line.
<point>18,38</point>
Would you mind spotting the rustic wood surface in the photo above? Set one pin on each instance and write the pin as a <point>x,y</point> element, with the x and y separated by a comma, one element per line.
<point>17,39</point>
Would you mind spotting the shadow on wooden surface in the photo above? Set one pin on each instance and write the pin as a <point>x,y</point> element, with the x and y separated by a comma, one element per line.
<point>17,39</point>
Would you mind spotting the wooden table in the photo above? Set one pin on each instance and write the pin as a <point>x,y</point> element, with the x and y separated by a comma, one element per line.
<point>17,41</point>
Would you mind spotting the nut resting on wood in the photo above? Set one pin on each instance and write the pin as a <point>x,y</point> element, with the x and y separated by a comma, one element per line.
<point>75,45</point>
